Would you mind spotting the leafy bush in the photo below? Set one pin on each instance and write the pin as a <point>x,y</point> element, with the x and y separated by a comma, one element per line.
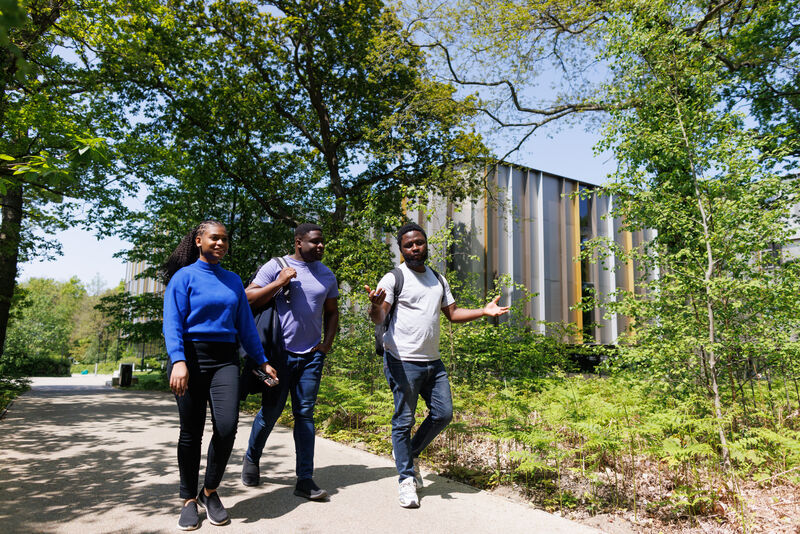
<point>152,381</point>
<point>623,439</point>
<point>36,365</point>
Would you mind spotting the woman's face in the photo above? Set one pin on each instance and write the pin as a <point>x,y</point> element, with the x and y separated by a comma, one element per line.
<point>213,243</point>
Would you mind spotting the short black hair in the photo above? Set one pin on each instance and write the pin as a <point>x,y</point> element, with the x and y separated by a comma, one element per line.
<point>410,227</point>
<point>304,228</point>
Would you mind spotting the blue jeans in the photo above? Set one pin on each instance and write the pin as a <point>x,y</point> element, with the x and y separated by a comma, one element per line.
<point>408,381</point>
<point>299,375</point>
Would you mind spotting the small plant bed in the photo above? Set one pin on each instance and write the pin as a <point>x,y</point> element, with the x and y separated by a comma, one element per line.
<point>10,389</point>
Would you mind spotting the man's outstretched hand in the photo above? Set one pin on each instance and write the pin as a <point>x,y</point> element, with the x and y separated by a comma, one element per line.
<point>377,296</point>
<point>493,310</point>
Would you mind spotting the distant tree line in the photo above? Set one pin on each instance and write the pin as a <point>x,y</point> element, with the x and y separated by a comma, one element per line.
<point>55,324</point>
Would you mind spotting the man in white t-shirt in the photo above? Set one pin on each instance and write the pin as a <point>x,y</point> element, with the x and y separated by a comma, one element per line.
<point>411,359</point>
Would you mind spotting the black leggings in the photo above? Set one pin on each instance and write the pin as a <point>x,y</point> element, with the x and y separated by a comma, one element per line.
<point>213,377</point>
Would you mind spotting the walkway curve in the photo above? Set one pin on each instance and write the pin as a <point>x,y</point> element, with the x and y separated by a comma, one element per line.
<point>80,457</point>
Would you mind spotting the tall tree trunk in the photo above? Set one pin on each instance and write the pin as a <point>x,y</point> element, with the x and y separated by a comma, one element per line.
<point>10,228</point>
<point>707,278</point>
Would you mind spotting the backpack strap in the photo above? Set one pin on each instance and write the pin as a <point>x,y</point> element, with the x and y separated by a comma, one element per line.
<point>441,282</point>
<point>381,328</point>
<point>283,264</point>
<point>398,288</point>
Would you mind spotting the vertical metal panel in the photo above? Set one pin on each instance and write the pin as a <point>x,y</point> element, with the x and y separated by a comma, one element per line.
<point>468,258</point>
<point>572,205</point>
<point>490,217</point>
<point>516,234</point>
<point>573,267</point>
<point>527,207</point>
<point>540,253</point>
<point>595,266</point>
<point>552,245</point>
<point>502,224</point>
<point>564,248</point>
<point>607,283</point>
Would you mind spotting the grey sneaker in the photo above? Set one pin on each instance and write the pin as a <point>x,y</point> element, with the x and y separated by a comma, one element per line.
<point>216,513</point>
<point>189,520</point>
<point>407,493</point>
<point>251,476</point>
<point>308,489</point>
<point>417,475</point>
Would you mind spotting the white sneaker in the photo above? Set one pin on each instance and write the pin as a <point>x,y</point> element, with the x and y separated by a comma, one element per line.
<point>407,493</point>
<point>417,475</point>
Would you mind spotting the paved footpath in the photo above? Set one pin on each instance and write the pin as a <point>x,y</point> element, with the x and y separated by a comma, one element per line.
<point>80,457</point>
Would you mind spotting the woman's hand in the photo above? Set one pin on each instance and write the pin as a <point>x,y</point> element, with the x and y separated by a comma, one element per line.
<point>270,375</point>
<point>179,378</point>
<point>267,368</point>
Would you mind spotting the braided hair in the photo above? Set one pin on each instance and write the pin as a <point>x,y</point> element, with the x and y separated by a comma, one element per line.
<point>187,251</point>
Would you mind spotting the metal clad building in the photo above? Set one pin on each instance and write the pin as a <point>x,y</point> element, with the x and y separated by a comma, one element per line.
<point>136,285</point>
<point>531,225</point>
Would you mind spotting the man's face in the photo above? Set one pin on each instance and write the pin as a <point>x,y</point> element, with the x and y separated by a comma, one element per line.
<point>414,248</point>
<point>311,246</point>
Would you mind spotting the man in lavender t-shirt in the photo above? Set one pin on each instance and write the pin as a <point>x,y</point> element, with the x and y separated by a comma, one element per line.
<point>305,296</point>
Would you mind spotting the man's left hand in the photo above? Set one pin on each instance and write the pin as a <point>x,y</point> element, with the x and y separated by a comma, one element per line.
<point>493,310</point>
<point>325,349</point>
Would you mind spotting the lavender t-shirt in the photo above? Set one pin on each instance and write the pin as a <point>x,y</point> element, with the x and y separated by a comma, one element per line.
<point>301,318</point>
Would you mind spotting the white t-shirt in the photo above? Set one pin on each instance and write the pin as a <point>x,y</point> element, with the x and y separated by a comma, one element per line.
<point>413,333</point>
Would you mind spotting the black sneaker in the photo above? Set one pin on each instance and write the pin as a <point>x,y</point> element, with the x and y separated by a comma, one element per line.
<point>216,513</point>
<point>250,473</point>
<point>189,520</point>
<point>306,488</point>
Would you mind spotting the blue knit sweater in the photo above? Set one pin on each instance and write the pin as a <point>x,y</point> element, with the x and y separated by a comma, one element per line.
<point>204,302</point>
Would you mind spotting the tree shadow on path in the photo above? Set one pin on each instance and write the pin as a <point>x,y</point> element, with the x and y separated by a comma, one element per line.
<point>69,453</point>
<point>99,460</point>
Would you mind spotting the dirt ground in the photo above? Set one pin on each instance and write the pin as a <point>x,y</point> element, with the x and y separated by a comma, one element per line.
<point>774,510</point>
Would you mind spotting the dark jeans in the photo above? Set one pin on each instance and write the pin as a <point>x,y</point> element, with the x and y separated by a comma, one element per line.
<point>213,378</point>
<point>299,375</point>
<point>408,381</point>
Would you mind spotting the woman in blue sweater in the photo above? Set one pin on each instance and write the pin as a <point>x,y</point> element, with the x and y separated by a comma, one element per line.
<point>205,310</point>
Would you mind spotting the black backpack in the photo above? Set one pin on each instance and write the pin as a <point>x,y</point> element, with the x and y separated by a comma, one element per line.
<point>268,327</point>
<point>380,329</point>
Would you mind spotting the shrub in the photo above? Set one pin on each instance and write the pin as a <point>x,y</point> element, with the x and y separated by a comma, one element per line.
<point>37,365</point>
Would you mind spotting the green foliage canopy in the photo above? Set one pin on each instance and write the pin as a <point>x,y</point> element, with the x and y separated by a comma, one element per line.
<point>55,112</point>
<point>295,110</point>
